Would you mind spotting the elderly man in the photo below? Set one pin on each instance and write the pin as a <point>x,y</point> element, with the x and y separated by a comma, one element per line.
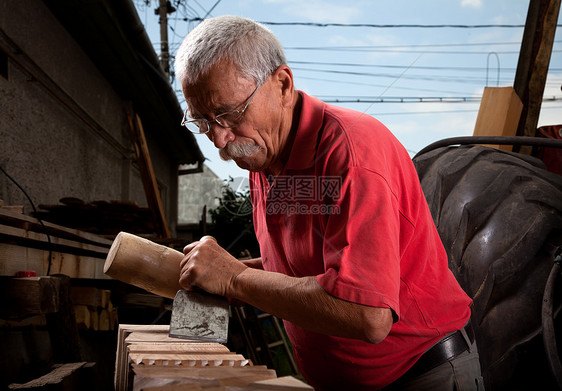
<point>350,258</point>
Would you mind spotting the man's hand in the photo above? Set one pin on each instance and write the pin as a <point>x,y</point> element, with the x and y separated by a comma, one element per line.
<point>210,267</point>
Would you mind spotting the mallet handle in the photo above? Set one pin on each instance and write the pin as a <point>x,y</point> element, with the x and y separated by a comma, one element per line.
<point>145,264</point>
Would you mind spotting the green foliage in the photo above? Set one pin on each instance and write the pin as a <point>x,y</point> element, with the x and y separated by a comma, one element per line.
<point>232,223</point>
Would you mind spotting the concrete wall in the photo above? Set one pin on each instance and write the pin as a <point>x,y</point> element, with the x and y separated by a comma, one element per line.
<point>49,149</point>
<point>196,191</point>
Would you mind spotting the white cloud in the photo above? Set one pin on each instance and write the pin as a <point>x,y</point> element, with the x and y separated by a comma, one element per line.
<point>319,11</point>
<point>471,3</point>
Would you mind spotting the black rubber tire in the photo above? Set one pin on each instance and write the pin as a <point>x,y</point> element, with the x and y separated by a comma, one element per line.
<point>499,216</point>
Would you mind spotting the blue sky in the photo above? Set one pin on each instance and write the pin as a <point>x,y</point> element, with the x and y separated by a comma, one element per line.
<point>386,62</point>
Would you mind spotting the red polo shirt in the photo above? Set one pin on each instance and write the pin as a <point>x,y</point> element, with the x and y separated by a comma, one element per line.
<point>348,208</point>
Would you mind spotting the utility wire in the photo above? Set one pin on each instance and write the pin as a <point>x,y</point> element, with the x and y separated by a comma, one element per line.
<point>434,45</point>
<point>427,45</point>
<point>312,24</point>
<point>404,99</point>
<point>417,99</point>
<point>36,216</point>
<point>401,113</point>
<point>431,68</point>
<point>422,112</point>
<point>211,9</point>
<point>442,78</point>
<point>375,85</point>
<point>402,51</point>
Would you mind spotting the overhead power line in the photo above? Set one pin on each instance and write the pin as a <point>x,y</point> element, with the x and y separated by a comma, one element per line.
<point>433,68</point>
<point>416,99</point>
<point>406,46</point>
<point>441,78</point>
<point>363,83</point>
<point>370,25</point>
<point>405,99</point>
<point>212,8</point>
<point>403,113</point>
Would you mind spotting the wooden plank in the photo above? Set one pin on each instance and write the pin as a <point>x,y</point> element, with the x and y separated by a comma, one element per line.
<point>208,378</point>
<point>104,320</point>
<point>56,376</point>
<point>152,328</point>
<point>147,174</point>
<point>178,347</point>
<point>83,317</point>
<point>76,266</point>
<point>32,224</point>
<point>13,208</point>
<point>201,372</point>
<point>14,258</point>
<point>63,332</point>
<point>122,376</point>
<point>86,295</point>
<point>197,383</point>
<point>201,359</point>
<point>161,384</point>
<point>498,114</point>
<point>29,296</point>
<point>27,238</point>
<point>146,336</point>
<point>94,319</point>
<point>90,296</point>
<point>286,383</point>
<point>25,246</point>
<point>147,359</point>
<point>534,60</point>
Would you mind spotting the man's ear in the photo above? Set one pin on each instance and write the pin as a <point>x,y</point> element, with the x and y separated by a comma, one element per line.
<point>284,77</point>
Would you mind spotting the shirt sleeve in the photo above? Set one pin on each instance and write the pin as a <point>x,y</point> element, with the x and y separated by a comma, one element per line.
<point>361,249</point>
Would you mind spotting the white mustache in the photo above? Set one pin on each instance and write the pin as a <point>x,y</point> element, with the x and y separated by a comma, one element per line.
<point>234,150</point>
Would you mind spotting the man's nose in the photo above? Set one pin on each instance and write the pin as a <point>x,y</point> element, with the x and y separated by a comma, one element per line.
<point>220,136</point>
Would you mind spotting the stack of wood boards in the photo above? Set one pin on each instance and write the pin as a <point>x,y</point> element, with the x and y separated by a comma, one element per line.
<point>26,244</point>
<point>93,308</point>
<point>105,218</point>
<point>148,360</point>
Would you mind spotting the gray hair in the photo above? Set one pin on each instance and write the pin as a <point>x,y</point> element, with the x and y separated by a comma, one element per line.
<point>250,46</point>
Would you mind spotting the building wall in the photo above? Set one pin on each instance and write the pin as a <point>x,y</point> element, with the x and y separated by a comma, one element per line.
<point>195,192</point>
<point>63,129</point>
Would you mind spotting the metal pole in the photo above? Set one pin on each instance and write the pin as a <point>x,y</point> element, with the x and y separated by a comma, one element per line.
<point>164,53</point>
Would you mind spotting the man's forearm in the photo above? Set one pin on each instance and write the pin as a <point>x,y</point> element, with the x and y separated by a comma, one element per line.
<point>254,263</point>
<point>303,302</point>
<point>299,300</point>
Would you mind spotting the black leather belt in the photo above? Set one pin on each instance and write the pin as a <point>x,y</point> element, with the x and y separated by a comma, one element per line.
<point>445,350</point>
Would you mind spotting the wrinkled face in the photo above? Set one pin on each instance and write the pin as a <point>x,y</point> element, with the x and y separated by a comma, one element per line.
<point>256,141</point>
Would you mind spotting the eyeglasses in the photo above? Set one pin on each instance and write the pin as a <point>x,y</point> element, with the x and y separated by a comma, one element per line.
<point>230,119</point>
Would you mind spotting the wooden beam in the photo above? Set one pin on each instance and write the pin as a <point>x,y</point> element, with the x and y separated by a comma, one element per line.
<point>63,332</point>
<point>179,378</point>
<point>147,173</point>
<point>61,377</point>
<point>28,223</point>
<point>189,359</point>
<point>14,258</point>
<point>499,114</point>
<point>147,359</point>
<point>26,238</point>
<point>534,59</point>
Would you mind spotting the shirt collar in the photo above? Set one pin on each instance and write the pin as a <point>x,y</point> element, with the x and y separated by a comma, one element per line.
<point>304,146</point>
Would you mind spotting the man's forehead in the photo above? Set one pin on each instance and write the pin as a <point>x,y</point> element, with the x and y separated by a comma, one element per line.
<point>210,102</point>
<point>216,97</point>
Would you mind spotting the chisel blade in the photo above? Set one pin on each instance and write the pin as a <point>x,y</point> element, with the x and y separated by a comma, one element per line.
<point>199,316</point>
